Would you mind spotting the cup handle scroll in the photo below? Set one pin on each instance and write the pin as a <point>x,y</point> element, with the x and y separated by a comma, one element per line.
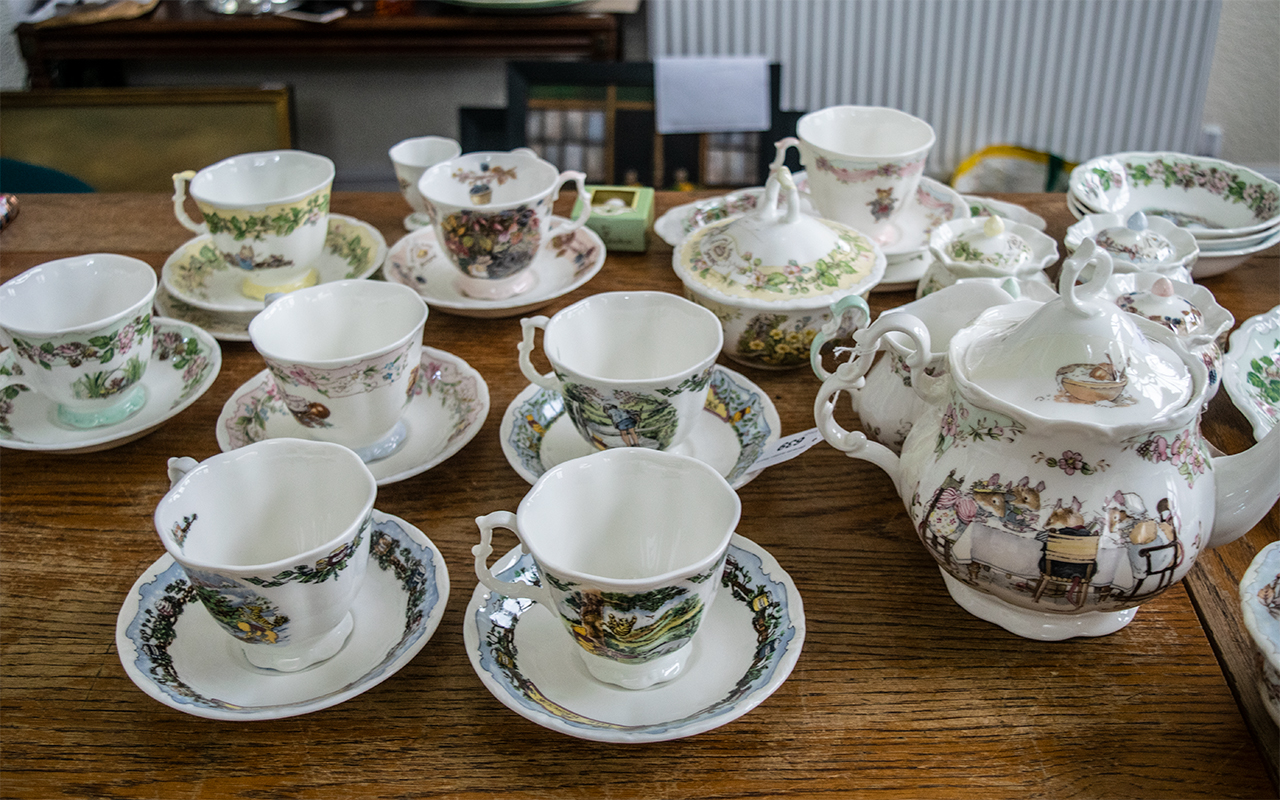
<point>529,325</point>
<point>482,551</point>
<point>580,181</point>
<point>180,180</point>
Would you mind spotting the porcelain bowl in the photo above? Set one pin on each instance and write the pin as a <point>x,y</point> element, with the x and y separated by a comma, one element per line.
<point>1212,198</point>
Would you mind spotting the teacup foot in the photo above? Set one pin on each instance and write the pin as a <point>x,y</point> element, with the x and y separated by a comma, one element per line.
<point>499,289</point>
<point>130,403</point>
<point>258,287</point>
<point>416,220</point>
<point>385,446</point>
<point>637,676</point>
<point>1040,625</point>
<point>293,658</point>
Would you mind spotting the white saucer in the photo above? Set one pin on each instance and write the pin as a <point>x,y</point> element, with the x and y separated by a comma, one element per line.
<point>197,275</point>
<point>28,420</point>
<point>417,261</point>
<point>176,653</point>
<point>451,405</point>
<point>1243,369</point>
<point>989,206</point>
<point>747,645</point>
<point>903,274</point>
<point>231,326</point>
<point>740,422</point>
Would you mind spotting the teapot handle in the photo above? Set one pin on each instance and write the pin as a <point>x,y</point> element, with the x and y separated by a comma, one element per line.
<point>855,310</point>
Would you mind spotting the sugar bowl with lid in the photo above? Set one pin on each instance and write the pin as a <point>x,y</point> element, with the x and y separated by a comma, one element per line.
<point>1138,243</point>
<point>771,275</point>
<point>1059,476</point>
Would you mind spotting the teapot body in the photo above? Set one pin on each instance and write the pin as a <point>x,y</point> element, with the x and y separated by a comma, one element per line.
<point>1056,519</point>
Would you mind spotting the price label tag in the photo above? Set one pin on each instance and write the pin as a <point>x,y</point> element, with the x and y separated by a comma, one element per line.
<point>786,448</point>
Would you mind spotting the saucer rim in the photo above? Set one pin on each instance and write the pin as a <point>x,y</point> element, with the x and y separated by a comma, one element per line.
<point>785,661</point>
<point>243,308</point>
<point>126,649</point>
<point>481,417</point>
<point>165,307</point>
<point>127,430</point>
<point>507,307</point>
<point>767,408</point>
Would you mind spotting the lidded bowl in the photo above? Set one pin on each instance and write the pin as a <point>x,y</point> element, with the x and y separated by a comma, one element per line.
<point>771,275</point>
<point>1138,242</point>
<point>987,247</point>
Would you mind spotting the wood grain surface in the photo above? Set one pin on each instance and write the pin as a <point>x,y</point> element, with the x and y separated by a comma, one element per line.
<point>898,692</point>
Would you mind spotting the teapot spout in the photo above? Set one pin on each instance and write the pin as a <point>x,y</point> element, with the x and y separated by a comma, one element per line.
<point>1248,485</point>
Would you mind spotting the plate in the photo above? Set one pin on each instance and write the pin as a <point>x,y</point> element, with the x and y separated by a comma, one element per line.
<point>739,423</point>
<point>563,265</point>
<point>1251,371</point>
<point>450,406</point>
<point>224,326</point>
<point>185,360</point>
<point>746,647</point>
<point>175,652</point>
<point>198,275</point>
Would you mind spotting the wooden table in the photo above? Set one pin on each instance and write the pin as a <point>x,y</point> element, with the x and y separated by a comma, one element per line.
<point>185,30</point>
<point>898,692</point>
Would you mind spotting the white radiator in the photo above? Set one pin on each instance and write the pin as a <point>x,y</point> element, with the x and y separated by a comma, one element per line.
<point>1077,78</point>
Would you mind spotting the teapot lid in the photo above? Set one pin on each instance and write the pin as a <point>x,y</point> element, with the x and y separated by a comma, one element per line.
<point>772,255</point>
<point>991,245</point>
<point>1078,358</point>
<point>1163,305</point>
<point>1135,241</point>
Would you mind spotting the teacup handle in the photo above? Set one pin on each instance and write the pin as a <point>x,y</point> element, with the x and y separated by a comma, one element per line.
<point>180,180</point>
<point>178,467</point>
<point>482,551</point>
<point>580,180</point>
<point>529,325</point>
<point>851,306</point>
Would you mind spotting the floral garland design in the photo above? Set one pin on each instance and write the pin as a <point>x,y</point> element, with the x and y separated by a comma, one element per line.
<point>1071,462</point>
<point>957,428</point>
<point>324,569</point>
<point>861,174</point>
<point>1264,376</point>
<point>492,245</point>
<point>1188,452</point>
<point>1223,183</point>
<point>716,259</point>
<point>363,376</point>
<point>278,221</point>
<point>1015,251</point>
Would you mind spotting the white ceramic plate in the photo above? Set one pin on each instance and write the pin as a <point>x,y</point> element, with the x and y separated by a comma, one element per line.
<point>173,381</point>
<point>197,274</point>
<point>1216,262</point>
<point>562,266</point>
<point>1251,370</point>
<point>739,423</point>
<point>177,654</point>
<point>747,645</point>
<point>449,409</point>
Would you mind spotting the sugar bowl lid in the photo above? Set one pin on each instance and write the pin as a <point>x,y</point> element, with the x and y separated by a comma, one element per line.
<point>777,256</point>
<point>991,246</point>
<point>1135,241</point>
<point>1162,304</point>
<point>1078,358</point>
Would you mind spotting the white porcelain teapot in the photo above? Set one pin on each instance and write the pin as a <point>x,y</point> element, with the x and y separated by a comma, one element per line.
<point>1058,474</point>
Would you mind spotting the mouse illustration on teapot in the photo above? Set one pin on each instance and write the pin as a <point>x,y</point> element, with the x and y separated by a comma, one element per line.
<point>1057,472</point>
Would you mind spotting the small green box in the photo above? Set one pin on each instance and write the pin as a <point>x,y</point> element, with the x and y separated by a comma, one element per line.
<point>621,215</point>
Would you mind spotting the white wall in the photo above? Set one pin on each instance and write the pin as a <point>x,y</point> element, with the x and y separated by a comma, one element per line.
<point>354,109</point>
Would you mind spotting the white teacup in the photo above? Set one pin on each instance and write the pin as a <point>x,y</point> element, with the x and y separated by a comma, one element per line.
<point>80,329</point>
<point>630,545</point>
<point>863,163</point>
<point>345,358</point>
<point>492,215</point>
<point>267,214</point>
<point>411,158</point>
<point>274,538</point>
<point>632,367</point>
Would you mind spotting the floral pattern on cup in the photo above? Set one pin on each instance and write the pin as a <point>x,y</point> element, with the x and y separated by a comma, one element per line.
<point>632,628</point>
<point>779,340</point>
<point>850,262</point>
<point>1229,185</point>
<point>1186,450</point>
<point>963,423</point>
<point>352,379</point>
<point>280,220</point>
<point>848,172</point>
<point>492,244</point>
<point>323,569</point>
<point>121,343</point>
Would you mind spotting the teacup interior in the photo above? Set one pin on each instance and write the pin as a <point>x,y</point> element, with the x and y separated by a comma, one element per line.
<point>479,180</point>
<point>74,293</point>
<point>262,178</point>
<point>342,320</point>
<point>633,336</point>
<point>261,507</point>
<point>424,151</point>
<point>865,131</point>
<point>629,518</point>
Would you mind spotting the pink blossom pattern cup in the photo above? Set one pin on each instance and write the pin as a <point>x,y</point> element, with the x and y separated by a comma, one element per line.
<point>80,329</point>
<point>492,214</point>
<point>864,164</point>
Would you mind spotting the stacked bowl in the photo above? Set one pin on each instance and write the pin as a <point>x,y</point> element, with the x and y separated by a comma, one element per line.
<point>1233,212</point>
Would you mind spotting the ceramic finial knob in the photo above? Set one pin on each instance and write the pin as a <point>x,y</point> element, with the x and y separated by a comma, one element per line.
<point>1162,288</point>
<point>1137,221</point>
<point>993,227</point>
